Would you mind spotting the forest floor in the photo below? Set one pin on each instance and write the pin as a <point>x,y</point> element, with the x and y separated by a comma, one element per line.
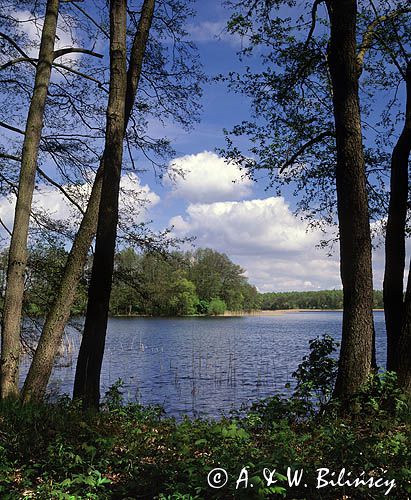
<point>130,452</point>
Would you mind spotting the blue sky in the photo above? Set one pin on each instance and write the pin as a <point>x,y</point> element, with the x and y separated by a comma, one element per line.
<point>256,229</point>
<point>213,202</point>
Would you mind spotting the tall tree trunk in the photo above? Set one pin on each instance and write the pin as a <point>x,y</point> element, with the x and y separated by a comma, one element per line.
<point>354,227</point>
<point>404,343</point>
<point>42,364</point>
<point>395,236</point>
<point>87,379</point>
<point>11,323</point>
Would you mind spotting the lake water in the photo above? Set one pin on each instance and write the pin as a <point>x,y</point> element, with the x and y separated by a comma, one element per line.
<point>207,366</point>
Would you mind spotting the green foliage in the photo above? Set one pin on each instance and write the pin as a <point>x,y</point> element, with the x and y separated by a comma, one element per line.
<point>324,299</point>
<point>317,373</point>
<point>154,284</point>
<point>58,451</point>
<point>216,307</point>
<point>288,137</point>
<point>113,398</point>
<point>202,307</point>
<point>184,300</point>
<point>215,276</point>
<point>45,267</point>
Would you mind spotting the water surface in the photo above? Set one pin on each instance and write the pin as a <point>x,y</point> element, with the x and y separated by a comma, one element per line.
<point>207,366</point>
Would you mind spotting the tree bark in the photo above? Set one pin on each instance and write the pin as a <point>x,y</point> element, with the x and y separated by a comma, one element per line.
<point>352,203</point>
<point>42,364</point>
<point>11,322</point>
<point>395,236</point>
<point>404,343</point>
<point>87,379</point>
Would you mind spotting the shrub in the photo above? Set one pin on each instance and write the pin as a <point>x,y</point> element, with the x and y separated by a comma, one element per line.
<point>216,307</point>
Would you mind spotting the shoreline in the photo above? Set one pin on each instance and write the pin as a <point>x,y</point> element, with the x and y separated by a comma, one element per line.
<point>277,312</point>
<point>233,314</point>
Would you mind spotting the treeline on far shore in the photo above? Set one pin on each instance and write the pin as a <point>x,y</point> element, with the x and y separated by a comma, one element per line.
<point>200,282</point>
<point>323,299</point>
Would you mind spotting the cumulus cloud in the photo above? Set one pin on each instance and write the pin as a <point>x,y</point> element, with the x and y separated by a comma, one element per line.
<point>208,178</point>
<point>265,238</point>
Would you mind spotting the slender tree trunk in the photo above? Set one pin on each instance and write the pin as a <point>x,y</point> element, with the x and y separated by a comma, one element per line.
<point>11,323</point>
<point>87,380</point>
<point>354,227</point>
<point>404,344</point>
<point>395,236</point>
<point>42,364</point>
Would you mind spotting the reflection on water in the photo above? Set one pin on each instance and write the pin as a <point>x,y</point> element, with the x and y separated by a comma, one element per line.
<point>206,366</point>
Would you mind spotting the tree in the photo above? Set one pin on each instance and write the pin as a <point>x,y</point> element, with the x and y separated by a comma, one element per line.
<point>87,379</point>
<point>395,236</point>
<point>308,95</point>
<point>404,344</point>
<point>10,352</point>
<point>395,304</point>
<point>214,275</point>
<point>35,144</point>
<point>178,84</point>
<point>216,307</point>
<point>124,297</point>
<point>184,300</point>
<point>355,238</point>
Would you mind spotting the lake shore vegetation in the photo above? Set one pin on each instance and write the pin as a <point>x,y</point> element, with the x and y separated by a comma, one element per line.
<point>203,282</point>
<point>56,450</point>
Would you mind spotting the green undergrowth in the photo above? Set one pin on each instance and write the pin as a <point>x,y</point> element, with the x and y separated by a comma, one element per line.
<point>127,451</point>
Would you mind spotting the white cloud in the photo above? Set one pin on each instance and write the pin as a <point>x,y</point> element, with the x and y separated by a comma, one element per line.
<point>207,31</point>
<point>213,31</point>
<point>135,199</point>
<point>32,27</point>
<point>270,243</point>
<point>266,239</point>
<point>208,178</point>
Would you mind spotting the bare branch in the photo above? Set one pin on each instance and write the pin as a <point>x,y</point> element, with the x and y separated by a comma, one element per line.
<point>313,21</point>
<point>63,52</point>
<point>15,45</point>
<point>10,127</point>
<point>290,161</point>
<point>371,33</point>
<point>30,60</point>
<point>5,227</point>
<point>9,157</point>
<point>60,188</point>
<point>91,19</point>
<point>13,187</point>
<point>79,73</point>
<point>48,179</point>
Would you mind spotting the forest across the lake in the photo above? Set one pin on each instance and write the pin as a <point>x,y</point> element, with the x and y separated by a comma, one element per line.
<point>200,282</point>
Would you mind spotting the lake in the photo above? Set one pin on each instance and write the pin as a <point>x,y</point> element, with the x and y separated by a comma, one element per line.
<point>207,366</point>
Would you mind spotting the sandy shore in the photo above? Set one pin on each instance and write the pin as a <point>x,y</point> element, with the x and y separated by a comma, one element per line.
<point>266,313</point>
<point>278,312</point>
